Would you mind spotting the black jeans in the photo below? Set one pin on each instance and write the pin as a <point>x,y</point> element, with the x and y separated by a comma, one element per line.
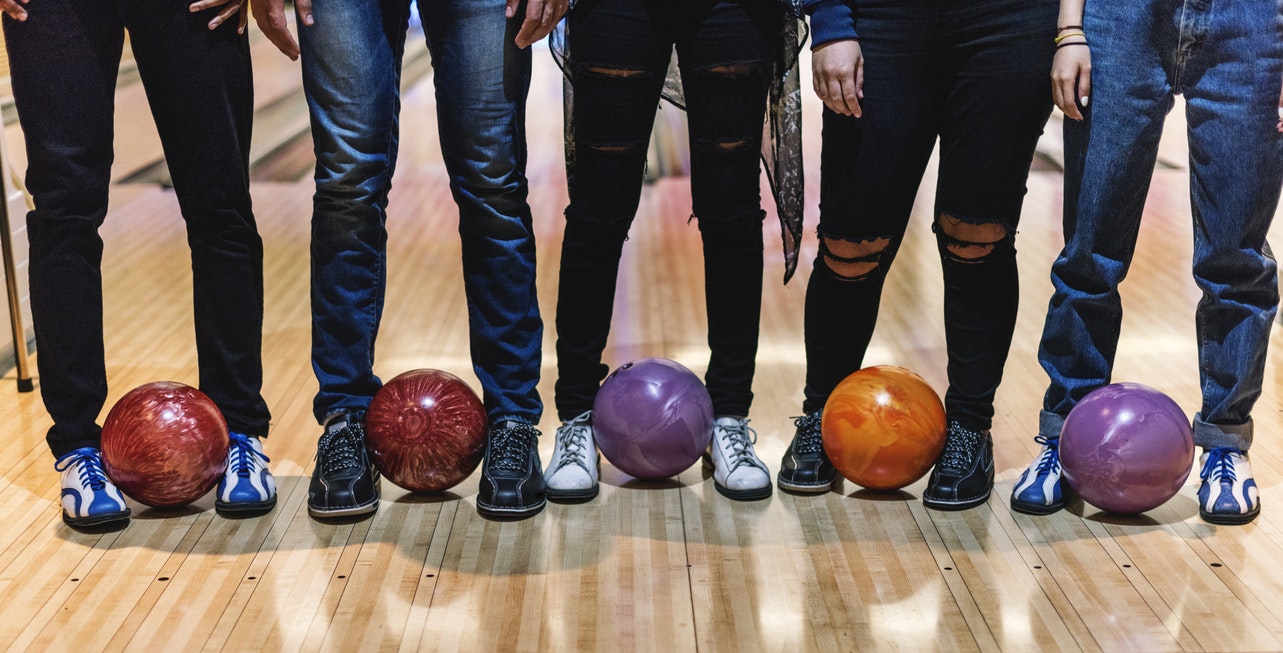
<point>620,51</point>
<point>64,61</point>
<point>974,74</point>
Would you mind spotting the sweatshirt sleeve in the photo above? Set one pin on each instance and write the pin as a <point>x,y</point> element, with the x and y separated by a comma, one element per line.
<point>831,20</point>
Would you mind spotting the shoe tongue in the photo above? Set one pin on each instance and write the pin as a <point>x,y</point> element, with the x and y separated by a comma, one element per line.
<point>335,425</point>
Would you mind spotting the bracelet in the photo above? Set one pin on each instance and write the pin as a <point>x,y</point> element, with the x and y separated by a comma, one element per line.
<point>1069,35</point>
<point>1065,45</point>
<point>1061,29</point>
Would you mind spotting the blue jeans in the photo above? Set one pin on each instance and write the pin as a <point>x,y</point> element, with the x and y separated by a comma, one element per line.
<point>64,61</point>
<point>1228,62</point>
<point>351,75</point>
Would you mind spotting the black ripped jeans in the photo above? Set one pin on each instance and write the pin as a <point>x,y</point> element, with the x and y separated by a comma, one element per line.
<point>620,51</point>
<point>973,75</point>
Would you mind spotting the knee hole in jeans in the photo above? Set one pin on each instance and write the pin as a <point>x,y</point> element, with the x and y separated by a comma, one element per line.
<point>851,260</point>
<point>733,70</point>
<point>970,242</point>
<point>621,73</point>
<point>728,146</point>
<point>617,148</point>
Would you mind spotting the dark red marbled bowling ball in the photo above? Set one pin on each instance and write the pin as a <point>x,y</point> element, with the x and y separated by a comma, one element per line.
<point>426,430</point>
<point>164,444</point>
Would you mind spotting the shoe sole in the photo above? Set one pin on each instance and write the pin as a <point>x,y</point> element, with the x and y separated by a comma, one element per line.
<point>503,512</point>
<point>1036,508</point>
<point>1229,520</point>
<point>751,494</point>
<point>572,495</point>
<point>951,506</point>
<point>803,488</point>
<point>352,511</point>
<point>96,520</point>
<point>240,508</point>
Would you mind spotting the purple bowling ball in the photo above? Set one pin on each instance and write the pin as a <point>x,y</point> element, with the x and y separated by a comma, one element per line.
<point>652,418</point>
<point>1126,448</point>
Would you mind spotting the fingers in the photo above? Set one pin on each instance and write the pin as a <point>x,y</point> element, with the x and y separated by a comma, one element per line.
<point>304,10</point>
<point>13,10</point>
<point>541,18</point>
<point>510,9</point>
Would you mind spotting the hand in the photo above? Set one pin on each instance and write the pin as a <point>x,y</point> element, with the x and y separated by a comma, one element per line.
<point>13,9</point>
<point>541,17</point>
<point>1071,79</point>
<point>837,73</point>
<point>270,17</point>
<point>1280,125</point>
<point>230,8</point>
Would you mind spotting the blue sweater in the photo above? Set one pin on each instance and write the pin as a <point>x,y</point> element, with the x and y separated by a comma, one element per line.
<point>831,20</point>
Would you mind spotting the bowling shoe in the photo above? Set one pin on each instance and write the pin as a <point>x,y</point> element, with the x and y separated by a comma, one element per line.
<point>737,471</point>
<point>963,475</point>
<point>1228,494</point>
<point>805,467</point>
<point>1039,490</point>
<point>344,481</point>
<point>89,498</point>
<point>247,485</point>
<point>512,483</point>
<point>572,472</point>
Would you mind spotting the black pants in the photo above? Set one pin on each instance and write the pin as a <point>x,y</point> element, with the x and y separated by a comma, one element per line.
<point>620,51</point>
<point>974,74</point>
<point>64,60</point>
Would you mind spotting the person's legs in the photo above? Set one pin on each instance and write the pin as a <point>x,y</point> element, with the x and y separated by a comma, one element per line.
<point>351,74</point>
<point>725,50</point>
<point>996,100</point>
<point>1236,171</point>
<point>193,75</point>
<point>871,169</point>
<point>63,62</point>
<point>481,79</point>
<point>1109,160</point>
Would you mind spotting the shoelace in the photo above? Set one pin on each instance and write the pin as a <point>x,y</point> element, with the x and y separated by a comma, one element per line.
<point>737,443</point>
<point>244,458</point>
<point>91,471</point>
<point>960,445</point>
<point>510,446</point>
<point>1219,465</point>
<point>572,440</point>
<point>1049,463</point>
<point>809,438</point>
<point>339,450</point>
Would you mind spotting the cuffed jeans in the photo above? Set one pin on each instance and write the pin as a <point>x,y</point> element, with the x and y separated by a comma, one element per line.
<point>351,76</point>
<point>64,60</point>
<point>1227,59</point>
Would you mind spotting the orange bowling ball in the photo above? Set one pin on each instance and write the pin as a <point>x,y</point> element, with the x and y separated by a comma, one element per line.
<point>883,427</point>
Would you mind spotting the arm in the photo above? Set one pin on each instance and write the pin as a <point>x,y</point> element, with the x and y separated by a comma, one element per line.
<point>541,17</point>
<point>13,9</point>
<point>1071,69</point>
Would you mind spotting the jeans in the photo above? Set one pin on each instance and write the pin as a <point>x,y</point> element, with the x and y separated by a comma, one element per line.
<point>351,76</point>
<point>1227,59</point>
<point>975,75</point>
<point>64,61</point>
<point>620,51</point>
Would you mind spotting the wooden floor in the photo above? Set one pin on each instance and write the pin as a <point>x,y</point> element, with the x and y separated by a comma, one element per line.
<point>646,566</point>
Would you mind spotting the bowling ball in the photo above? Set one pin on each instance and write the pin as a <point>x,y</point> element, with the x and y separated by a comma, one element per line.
<point>1126,448</point>
<point>426,430</point>
<point>164,444</point>
<point>652,418</point>
<point>883,427</point>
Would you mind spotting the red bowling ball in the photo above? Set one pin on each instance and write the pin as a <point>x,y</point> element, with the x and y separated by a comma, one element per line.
<point>426,430</point>
<point>165,444</point>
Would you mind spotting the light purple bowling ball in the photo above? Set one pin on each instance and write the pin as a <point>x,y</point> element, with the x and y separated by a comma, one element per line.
<point>652,418</point>
<point>1126,448</point>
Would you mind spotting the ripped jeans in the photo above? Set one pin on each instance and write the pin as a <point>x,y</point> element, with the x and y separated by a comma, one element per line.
<point>621,50</point>
<point>974,75</point>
